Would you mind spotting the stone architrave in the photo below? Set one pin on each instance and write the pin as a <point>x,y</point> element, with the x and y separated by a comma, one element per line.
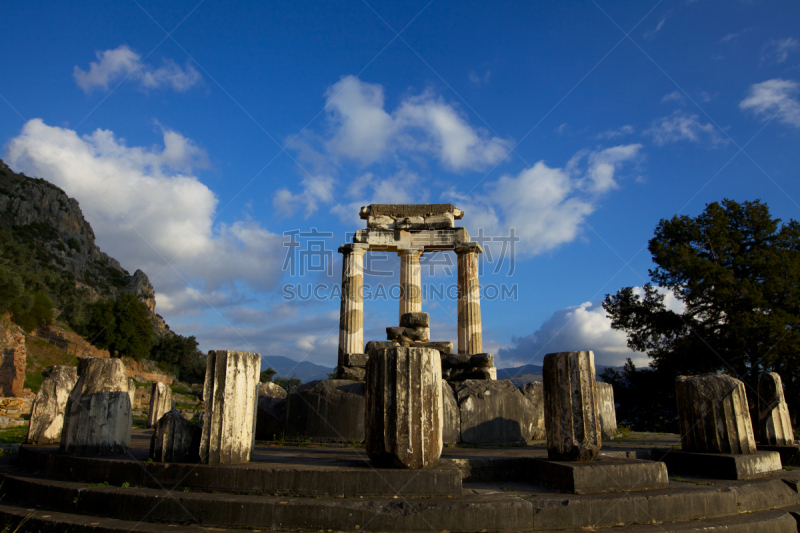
<point>608,411</point>
<point>97,417</point>
<point>47,413</point>
<point>176,440</point>
<point>230,393</point>
<point>470,333</point>
<point>775,426</point>
<point>410,281</point>
<point>351,312</point>
<point>713,414</point>
<point>571,414</point>
<point>160,403</point>
<point>404,412</point>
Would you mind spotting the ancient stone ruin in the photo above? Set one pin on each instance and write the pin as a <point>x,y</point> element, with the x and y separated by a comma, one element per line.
<point>175,440</point>
<point>47,414</point>
<point>775,426</point>
<point>160,403</point>
<point>571,411</point>
<point>230,406</point>
<point>97,417</point>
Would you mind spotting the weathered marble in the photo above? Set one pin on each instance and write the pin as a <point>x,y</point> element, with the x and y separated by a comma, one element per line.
<point>493,412</point>
<point>97,417</point>
<point>410,281</point>
<point>572,419</point>
<point>713,414</point>
<point>273,390</point>
<point>160,403</point>
<point>47,414</point>
<point>176,440</point>
<point>608,411</point>
<point>451,417</point>
<point>230,406</point>
<point>351,312</point>
<point>775,426</point>
<point>415,320</point>
<point>534,394</point>
<point>132,391</point>
<point>470,333</point>
<point>404,412</point>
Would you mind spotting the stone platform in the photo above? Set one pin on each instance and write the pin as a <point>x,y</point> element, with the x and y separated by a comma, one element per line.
<point>492,494</point>
<point>720,465</point>
<point>790,454</point>
<point>606,474</point>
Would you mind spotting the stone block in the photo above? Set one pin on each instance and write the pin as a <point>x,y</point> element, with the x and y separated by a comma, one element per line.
<point>493,412</point>
<point>471,374</point>
<point>12,422</point>
<point>160,403</point>
<point>775,426</point>
<point>97,417</point>
<point>377,345</point>
<point>451,417</point>
<point>270,417</point>
<point>351,373</point>
<point>608,410</point>
<point>443,221</point>
<point>442,347</point>
<point>734,466</point>
<point>270,389</point>
<point>571,414</point>
<point>176,440</point>
<point>602,475</point>
<point>414,320</point>
<point>482,360</point>
<point>456,361</point>
<point>412,334</point>
<point>410,223</point>
<point>230,406</point>
<point>404,412</point>
<point>713,414</point>
<point>329,410</point>
<point>47,414</point>
<point>380,222</point>
<point>534,394</point>
<point>132,391</point>
<point>358,360</point>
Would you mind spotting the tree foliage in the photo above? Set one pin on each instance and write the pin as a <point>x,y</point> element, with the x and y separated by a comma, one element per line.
<point>266,375</point>
<point>180,356</point>
<point>287,383</point>
<point>736,272</point>
<point>121,326</point>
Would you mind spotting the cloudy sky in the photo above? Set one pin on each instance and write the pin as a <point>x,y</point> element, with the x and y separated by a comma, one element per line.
<point>200,138</point>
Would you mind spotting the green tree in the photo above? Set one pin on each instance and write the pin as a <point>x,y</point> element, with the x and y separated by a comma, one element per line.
<point>122,327</point>
<point>32,310</point>
<point>287,383</point>
<point>179,355</point>
<point>12,287</point>
<point>736,270</point>
<point>266,375</point>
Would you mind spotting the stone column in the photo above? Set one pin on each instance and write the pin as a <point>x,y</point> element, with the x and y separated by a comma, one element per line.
<point>470,337</point>
<point>230,396</point>
<point>160,403</point>
<point>176,440</point>
<point>713,415</point>
<point>571,415</point>
<point>404,411</point>
<point>97,417</point>
<point>47,413</point>
<point>351,313</point>
<point>410,281</point>
<point>773,414</point>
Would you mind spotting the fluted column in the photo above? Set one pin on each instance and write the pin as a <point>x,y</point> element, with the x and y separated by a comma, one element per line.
<point>470,336</point>
<point>351,313</point>
<point>773,414</point>
<point>410,281</point>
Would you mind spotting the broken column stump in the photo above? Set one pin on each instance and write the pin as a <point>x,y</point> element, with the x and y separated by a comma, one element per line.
<point>97,417</point>
<point>47,413</point>
<point>404,412</point>
<point>271,411</point>
<point>176,440</point>
<point>572,420</point>
<point>773,415</point>
<point>713,414</point>
<point>607,409</point>
<point>160,403</point>
<point>230,406</point>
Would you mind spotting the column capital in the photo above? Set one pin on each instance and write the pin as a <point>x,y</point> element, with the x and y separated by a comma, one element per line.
<point>468,247</point>
<point>410,250</point>
<point>357,248</point>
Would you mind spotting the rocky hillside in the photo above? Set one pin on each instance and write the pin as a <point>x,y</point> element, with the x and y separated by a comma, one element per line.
<point>42,216</point>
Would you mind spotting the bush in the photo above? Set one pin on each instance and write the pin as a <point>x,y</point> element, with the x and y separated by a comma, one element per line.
<point>122,327</point>
<point>32,311</point>
<point>287,383</point>
<point>266,375</point>
<point>180,356</point>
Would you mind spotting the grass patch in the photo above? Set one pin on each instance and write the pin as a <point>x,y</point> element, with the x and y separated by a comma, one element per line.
<point>41,355</point>
<point>15,435</point>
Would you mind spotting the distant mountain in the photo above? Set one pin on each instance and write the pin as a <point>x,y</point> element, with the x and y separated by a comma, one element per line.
<point>305,370</point>
<point>527,373</point>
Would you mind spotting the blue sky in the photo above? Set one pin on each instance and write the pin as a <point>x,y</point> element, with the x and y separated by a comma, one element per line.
<point>194,135</point>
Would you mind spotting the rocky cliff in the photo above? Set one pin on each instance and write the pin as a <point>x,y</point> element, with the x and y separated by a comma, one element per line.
<point>41,214</point>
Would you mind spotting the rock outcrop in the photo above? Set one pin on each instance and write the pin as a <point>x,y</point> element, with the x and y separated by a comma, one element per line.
<point>47,414</point>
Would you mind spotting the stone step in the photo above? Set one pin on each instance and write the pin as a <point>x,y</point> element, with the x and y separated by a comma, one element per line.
<point>476,512</point>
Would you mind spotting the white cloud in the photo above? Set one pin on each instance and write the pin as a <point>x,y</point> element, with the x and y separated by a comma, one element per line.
<point>546,206</point>
<point>778,50</point>
<point>362,130</point>
<point>581,327</point>
<point>114,65</point>
<point>477,80</point>
<point>316,190</point>
<point>682,126</point>
<point>774,98</point>
<point>674,96</point>
<point>147,209</point>
<point>617,133</point>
